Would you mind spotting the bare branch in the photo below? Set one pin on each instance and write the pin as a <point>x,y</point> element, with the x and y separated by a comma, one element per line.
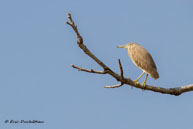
<point>89,71</point>
<point>172,91</point>
<point>121,71</point>
<point>121,68</point>
<point>82,46</point>
<point>71,23</point>
<point>114,86</point>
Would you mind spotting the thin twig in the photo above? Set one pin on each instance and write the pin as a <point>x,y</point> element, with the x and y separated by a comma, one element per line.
<point>114,86</point>
<point>89,71</point>
<point>121,71</point>
<point>71,23</point>
<point>121,68</point>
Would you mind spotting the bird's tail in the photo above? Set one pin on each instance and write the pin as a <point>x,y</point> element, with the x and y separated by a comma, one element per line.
<point>154,74</point>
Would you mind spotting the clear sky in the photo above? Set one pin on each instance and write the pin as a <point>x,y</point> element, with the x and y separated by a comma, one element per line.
<point>37,49</point>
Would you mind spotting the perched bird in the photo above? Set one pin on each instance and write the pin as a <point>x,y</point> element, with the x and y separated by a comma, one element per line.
<point>142,59</point>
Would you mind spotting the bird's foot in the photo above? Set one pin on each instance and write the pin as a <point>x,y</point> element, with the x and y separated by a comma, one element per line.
<point>144,84</point>
<point>136,82</point>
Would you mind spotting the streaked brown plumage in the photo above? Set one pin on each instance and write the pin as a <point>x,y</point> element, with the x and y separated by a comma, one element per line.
<point>142,59</point>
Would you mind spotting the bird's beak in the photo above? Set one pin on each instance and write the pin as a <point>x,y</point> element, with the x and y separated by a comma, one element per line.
<point>121,46</point>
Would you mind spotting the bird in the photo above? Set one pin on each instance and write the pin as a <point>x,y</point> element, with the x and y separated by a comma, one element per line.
<point>142,59</point>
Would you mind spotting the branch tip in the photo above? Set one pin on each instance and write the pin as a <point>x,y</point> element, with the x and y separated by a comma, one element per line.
<point>89,71</point>
<point>69,15</point>
<point>114,86</point>
<point>121,68</point>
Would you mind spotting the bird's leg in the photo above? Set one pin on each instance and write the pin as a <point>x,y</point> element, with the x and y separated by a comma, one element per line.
<point>144,83</point>
<point>136,81</point>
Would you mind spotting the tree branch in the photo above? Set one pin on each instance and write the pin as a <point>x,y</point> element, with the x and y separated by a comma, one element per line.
<point>121,68</point>
<point>121,71</point>
<point>89,71</point>
<point>172,91</point>
<point>114,86</point>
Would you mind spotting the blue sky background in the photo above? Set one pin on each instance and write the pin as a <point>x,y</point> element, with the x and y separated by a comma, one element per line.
<point>37,49</point>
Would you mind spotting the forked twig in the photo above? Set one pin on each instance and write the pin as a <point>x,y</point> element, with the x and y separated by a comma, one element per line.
<point>121,68</point>
<point>121,71</point>
<point>89,71</point>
